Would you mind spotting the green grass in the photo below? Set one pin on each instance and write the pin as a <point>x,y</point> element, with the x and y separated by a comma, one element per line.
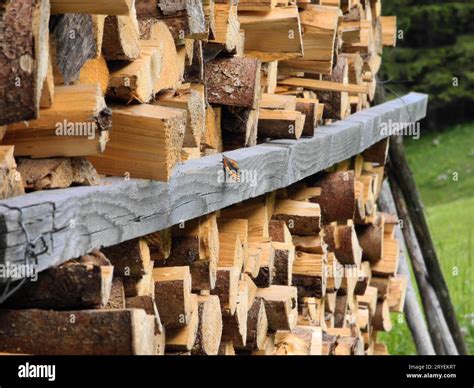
<point>435,159</point>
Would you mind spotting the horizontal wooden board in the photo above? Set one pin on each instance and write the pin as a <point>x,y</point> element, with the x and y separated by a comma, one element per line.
<point>74,221</point>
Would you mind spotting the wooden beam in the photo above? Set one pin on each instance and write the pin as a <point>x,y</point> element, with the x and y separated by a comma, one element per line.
<point>119,204</point>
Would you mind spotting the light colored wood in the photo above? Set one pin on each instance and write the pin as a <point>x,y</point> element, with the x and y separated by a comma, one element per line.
<point>389,30</point>
<point>11,183</point>
<point>95,71</point>
<point>323,85</point>
<point>193,102</point>
<point>275,34</point>
<point>209,332</point>
<point>77,124</point>
<point>150,136</point>
<point>107,7</point>
<point>239,227</point>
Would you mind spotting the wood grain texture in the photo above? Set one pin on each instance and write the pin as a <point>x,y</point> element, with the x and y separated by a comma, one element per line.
<point>75,221</point>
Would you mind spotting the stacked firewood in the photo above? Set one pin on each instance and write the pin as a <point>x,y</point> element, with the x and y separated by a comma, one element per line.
<point>307,270</point>
<point>131,88</point>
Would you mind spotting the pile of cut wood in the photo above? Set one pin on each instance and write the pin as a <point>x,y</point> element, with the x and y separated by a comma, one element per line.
<point>131,88</point>
<point>307,270</point>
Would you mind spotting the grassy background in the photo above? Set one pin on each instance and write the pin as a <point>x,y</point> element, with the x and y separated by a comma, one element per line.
<point>437,159</point>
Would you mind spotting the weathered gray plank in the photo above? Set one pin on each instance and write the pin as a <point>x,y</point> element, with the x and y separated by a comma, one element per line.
<point>75,221</point>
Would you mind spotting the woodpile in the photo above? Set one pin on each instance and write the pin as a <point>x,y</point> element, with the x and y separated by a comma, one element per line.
<point>132,88</point>
<point>296,272</point>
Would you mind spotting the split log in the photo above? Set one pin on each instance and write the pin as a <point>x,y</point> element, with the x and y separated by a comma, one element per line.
<point>312,312</point>
<point>378,153</point>
<point>116,332</point>
<point>209,332</point>
<point>193,102</point>
<point>281,305</point>
<point>227,35</point>
<point>310,244</point>
<point>257,326</point>
<point>303,219</point>
<point>140,286</point>
<point>212,136</point>
<point>309,108</point>
<point>381,284</point>
<point>72,44</point>
<point>77,284</point>
<point>235,325</point>
<point>371,239</point>
<point>130,258</point>
<point>338,185</point>
<point>284,258</point>
<point>117,295</point>
<point>239,127</point>
<point>266,270</point>
<point>279,232</point>
<point>302,341</point>
<point>156,34</point>
<point>277,101</point>
<point>340,312</point>
<point>310,275</point>
<point>239,227</point>
<point>159,244</point>
<point>269,76</point>
<point>369,299</point>
<point>389,30</point>
<point>233,82</point>
<point>182,339</point>
<point>329,344</point>
<point>83,129</point>
<point>10,178</point>
<point>273,35</point>
<point>381,320</point>
<point>196,244</point>
<point>173,295</point>
<point>157,134</point>
<point>23,58</point>
<point>94,71</point>
<point>121,35</point>
<point>227,287</point>
<point>280,124</point>
<point>231,252</point>
<point>252,268</point>
<point>389,264</point>
<point>397,287</point>
<point>258,213</point>
<point>342,240</point>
